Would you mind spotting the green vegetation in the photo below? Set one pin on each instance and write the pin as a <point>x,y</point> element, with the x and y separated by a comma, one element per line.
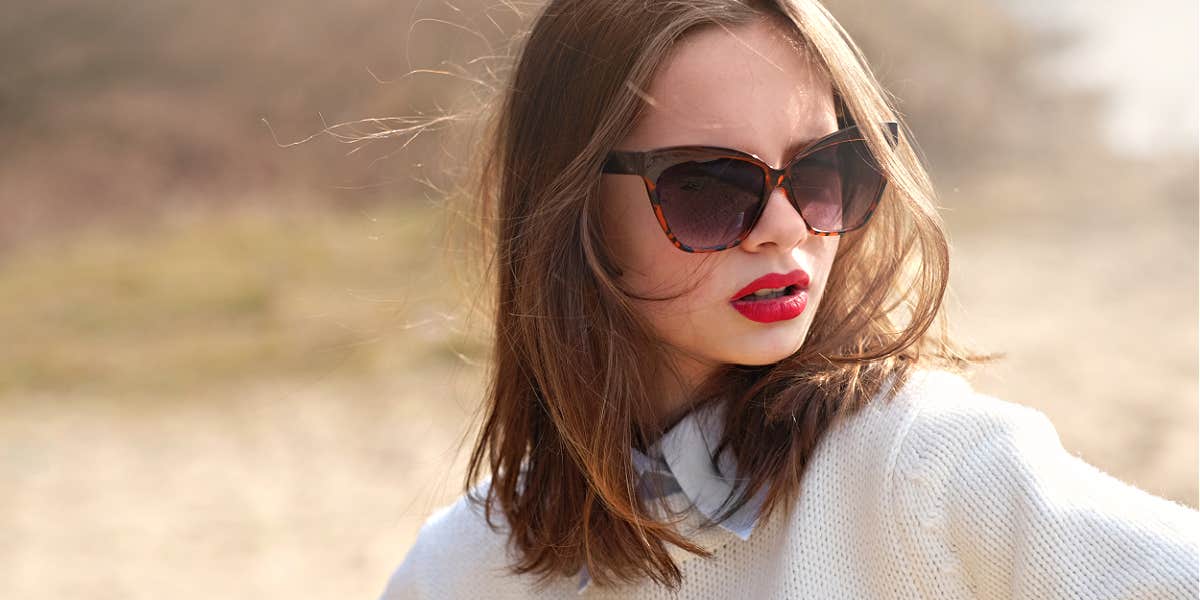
<point>213,299</point>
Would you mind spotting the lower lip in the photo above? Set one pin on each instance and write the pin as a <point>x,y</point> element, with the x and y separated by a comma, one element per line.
<point>775,309</point>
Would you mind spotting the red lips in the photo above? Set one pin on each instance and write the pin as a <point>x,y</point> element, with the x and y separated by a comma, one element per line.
<point>770,309</point>
<point>797,278</point>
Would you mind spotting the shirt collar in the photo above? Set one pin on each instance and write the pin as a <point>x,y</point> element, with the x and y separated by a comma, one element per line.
<point>681,461</point>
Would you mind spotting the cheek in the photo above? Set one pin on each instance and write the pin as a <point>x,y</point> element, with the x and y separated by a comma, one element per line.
<point>651,266</point>
<point>822,254</point>
<point>829,252</point>
<point>632,233</point>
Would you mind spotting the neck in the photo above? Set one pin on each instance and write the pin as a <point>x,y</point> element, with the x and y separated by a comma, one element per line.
<point>675,396</point>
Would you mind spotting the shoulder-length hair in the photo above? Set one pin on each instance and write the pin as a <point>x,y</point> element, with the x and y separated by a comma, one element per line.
<point>570,377</point>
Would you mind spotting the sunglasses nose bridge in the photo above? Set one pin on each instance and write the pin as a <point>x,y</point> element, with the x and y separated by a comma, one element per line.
<point>777,175</point>
<point>775,179</point>
<point>772,177</point>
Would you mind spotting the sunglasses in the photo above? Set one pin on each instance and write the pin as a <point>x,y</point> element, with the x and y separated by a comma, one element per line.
<point>708,199</point>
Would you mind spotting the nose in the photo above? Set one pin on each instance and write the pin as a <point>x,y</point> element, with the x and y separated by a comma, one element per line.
<point>779,225</point>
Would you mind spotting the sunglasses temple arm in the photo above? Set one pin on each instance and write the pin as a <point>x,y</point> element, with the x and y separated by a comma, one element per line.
<point>623,163</point>
<point>892,129</point>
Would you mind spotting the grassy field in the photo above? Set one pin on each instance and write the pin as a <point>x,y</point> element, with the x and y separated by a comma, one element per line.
<point>260,405</point>
<point>197,301</point>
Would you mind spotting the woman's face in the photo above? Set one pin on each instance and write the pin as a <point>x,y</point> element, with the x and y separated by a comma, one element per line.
<point>748,88</point>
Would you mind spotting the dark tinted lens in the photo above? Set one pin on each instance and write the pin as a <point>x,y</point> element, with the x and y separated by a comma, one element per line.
<point>709,204</point>
<point>836,188</point>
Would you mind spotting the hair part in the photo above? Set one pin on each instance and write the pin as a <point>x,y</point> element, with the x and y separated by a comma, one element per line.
<point>571,379</point>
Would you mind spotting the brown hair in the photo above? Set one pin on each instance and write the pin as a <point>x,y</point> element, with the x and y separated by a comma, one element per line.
<point>572,364</point>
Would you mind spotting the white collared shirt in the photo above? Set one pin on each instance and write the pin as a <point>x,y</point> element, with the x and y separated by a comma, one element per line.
<point>681,462</point>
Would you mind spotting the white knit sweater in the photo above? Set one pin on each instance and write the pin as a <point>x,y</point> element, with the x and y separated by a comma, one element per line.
<point>942,492</point>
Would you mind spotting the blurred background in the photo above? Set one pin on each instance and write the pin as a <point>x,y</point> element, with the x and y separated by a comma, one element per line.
<point>235,364</point>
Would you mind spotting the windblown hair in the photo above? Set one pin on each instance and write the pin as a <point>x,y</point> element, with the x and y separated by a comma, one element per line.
<point>572,367</point>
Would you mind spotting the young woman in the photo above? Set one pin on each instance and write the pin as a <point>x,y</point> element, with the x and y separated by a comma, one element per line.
<point>720,368</point>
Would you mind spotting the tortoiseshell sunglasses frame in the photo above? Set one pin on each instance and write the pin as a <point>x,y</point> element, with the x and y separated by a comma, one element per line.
<point>650,164</point>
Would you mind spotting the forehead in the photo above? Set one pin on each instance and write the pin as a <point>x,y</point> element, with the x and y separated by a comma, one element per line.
<point>750,87</point>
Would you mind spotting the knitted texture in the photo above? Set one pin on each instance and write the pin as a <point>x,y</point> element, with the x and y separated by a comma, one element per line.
<point>943,492</point>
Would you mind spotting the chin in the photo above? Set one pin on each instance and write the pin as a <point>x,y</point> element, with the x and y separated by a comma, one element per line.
<point>766,351</point>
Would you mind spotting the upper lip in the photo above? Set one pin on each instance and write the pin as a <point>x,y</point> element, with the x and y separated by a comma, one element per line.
<point>797,278</point>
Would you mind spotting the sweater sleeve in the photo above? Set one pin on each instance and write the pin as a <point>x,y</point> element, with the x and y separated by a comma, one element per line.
<point>450,537</point>
<point>410,580</point>
<point>992,503</point>
<point>456,555</point>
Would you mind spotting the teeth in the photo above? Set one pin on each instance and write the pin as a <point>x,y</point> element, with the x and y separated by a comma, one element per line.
<point>766,294</point>
<point>769,291</point>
